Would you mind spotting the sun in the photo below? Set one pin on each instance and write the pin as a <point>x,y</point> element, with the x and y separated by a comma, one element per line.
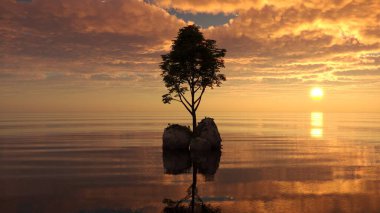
<point>316,93</point>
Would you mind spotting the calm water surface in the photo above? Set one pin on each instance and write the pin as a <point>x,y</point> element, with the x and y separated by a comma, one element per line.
<point>308,162</point>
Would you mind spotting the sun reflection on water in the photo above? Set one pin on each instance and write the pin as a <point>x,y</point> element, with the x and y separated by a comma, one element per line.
<point>316,122</point>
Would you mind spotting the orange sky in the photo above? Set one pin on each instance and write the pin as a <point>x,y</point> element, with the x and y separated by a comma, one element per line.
<point>103,55</point>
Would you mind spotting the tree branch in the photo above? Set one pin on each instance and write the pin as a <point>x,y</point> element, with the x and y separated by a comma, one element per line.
<point>181,95</point>
<point>184,104</point>
<point>199,98</point>
<point>196,90</point>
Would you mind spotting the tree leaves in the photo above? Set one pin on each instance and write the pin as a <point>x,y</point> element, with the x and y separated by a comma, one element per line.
<point>193,64</point>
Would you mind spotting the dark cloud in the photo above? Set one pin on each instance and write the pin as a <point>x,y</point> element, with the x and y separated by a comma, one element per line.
<point>102,77</point>
<point>108,77</point>
<point>6,75</point>
<point>203,19</point>
<point>24,1</point>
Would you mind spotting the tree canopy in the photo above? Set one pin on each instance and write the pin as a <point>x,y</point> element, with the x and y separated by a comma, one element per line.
<point>193,64</point>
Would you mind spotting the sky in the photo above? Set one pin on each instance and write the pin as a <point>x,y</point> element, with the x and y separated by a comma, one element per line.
<point>103,55</point>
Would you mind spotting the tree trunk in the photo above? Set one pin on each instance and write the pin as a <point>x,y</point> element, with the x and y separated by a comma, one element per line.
<point>194,115</point>
<point>194,187</point>
<point>193,110</point>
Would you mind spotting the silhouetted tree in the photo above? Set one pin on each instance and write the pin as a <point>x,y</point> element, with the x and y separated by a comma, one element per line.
<point>193,64</point>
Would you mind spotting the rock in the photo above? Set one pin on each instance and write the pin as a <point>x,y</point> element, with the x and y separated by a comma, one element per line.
<point>176,161</point>
<point>176,137</point>
<point>199,144</point>
<point>208,130</point>
<point>207,162</point>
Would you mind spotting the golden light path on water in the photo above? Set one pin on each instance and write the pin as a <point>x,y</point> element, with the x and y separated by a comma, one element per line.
<point>316,123</point>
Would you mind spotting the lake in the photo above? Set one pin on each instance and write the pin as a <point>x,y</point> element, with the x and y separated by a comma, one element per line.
<point>113,162</point>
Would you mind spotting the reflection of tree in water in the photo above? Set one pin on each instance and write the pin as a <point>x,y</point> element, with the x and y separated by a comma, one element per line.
<point>206,163</point>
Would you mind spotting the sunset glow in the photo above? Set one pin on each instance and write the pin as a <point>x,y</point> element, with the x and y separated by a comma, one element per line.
<point>217,106</point>
<point>103,55</point>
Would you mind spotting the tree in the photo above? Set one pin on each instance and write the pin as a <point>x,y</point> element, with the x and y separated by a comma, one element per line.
<point>193,64</point>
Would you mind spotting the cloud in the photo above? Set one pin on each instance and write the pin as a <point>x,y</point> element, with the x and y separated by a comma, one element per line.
<point>233,6</point>
<point>270,44</point>
<point>312,41</point>
<point>281,80</point>
<point>204,20</point>
<point>79,37</point>
<point>368,72</point>
<point>24,1</point>
<point>109,77</point>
